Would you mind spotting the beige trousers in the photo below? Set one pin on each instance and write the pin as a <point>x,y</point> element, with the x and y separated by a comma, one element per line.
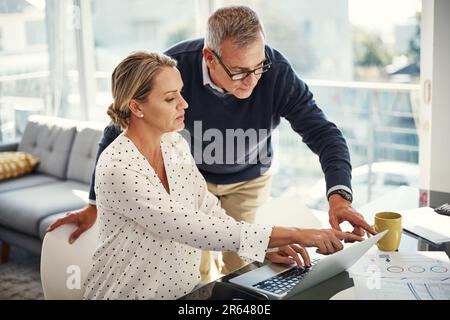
<point>240,201</point>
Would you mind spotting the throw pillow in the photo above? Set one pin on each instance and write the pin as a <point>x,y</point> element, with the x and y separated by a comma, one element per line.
<point>14,164</point>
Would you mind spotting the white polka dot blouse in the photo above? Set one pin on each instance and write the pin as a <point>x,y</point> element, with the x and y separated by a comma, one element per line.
<point>151,240</point>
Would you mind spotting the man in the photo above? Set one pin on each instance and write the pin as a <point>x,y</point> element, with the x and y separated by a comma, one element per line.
<point>238,88</point>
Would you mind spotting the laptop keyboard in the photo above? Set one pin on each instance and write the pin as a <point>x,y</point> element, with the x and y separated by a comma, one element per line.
<point>284,281</point>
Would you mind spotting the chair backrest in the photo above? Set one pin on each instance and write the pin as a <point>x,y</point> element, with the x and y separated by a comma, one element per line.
<point>288,211</point>
<point>64,266</point>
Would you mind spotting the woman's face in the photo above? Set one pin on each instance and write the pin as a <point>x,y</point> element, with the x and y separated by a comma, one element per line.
<point>164,107</point>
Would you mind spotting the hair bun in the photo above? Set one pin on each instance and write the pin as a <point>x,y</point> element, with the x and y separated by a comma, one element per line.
<point>118,117</point>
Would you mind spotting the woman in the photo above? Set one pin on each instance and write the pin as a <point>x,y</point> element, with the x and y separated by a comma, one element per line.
<point>156,214</point>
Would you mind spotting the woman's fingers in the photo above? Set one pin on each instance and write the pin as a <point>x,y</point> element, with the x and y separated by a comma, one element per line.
<point>328,245</point>
<point>330,248</point>
<point>304,253</point>
<point>321,247</point>
<point>337,244</point>
<point>293,253</point>
<point>277,257</point>
<point>290,254</point>
<point>347,236</point>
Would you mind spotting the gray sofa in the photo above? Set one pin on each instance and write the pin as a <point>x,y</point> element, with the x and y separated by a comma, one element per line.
<point>29,204</point>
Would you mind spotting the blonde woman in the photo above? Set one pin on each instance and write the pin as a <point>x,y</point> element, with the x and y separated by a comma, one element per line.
<point>156,214</point>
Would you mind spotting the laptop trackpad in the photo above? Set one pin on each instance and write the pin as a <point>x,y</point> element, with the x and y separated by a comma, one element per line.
<point>265,272</point>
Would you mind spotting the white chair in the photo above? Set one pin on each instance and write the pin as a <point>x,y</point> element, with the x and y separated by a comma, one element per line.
<point>289,211</point>
<point>64,266</point>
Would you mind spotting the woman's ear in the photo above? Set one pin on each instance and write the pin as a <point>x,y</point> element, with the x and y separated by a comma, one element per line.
<point>135,108</point>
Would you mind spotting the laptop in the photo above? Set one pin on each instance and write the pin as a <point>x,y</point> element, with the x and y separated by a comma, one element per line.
<point>281,282</point>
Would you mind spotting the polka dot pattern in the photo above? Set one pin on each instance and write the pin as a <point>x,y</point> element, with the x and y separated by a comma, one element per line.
<point>151,240</point>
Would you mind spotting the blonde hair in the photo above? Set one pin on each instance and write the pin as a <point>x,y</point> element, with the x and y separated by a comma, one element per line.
<point>134,78</point>
<point>238,23</point>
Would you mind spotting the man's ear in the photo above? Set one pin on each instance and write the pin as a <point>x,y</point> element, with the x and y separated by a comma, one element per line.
<point>209,57</point>
<point>135,107</point>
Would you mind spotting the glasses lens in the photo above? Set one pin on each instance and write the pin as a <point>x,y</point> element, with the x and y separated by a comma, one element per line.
<point>257,72</point>
<point>239,76</point>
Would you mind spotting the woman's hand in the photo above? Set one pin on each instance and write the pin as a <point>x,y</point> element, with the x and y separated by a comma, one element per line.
<point>290,254</point>
<point>327,241</point>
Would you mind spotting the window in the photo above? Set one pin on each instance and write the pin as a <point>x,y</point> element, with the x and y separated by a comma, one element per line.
<point>1,39</point>
<point>23,66</point>
<point>359,57</point>
<point>363,69</point>
<point>147,25</point>
<point>395,180</point>
<point>35,32</point>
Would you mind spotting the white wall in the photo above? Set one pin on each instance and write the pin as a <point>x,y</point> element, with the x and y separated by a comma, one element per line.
<point>435,109</point>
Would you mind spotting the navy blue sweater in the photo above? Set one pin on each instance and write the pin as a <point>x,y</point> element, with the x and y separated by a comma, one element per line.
<point>279,93</point>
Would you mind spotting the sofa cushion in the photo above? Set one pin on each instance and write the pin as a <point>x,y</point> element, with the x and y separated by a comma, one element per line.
<point>51,140</point>
<point>22,210</point>
<point>34,179</point>
<point>82,156</point>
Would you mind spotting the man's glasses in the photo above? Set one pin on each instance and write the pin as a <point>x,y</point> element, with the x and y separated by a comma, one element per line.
<point>242,75</point>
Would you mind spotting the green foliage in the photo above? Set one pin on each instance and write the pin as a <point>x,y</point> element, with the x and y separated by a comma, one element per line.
<point>370,51</point>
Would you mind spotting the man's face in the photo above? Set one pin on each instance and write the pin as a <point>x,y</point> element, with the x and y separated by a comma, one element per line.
<point>236,60</point>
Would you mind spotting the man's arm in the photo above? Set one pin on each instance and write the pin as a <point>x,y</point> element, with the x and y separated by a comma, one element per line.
<point>85,217</point>
<point>297,105</point>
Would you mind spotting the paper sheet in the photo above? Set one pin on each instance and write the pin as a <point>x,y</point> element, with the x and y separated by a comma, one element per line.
<point>403,265</point>
<point>427,224</point>
<point>394,289</point>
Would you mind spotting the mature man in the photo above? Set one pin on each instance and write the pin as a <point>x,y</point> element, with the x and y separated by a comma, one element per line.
<point>237,88</point>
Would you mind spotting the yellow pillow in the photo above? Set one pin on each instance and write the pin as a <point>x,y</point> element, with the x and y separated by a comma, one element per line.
<point>14,164</point>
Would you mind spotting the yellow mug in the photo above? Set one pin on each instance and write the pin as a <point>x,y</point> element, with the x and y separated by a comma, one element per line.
<point>391,221</point>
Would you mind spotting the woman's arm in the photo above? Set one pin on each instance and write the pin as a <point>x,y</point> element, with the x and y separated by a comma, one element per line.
<point>130,194</point>
<point>326,240</point>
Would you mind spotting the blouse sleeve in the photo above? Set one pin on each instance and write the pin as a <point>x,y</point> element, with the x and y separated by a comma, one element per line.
<point>131,194</point>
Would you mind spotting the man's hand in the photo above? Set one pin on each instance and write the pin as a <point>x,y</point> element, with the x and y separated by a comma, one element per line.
<point>83,219</point>
<point>341,210</point>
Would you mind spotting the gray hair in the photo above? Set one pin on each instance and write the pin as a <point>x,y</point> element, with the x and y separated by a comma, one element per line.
<point>238,23</point>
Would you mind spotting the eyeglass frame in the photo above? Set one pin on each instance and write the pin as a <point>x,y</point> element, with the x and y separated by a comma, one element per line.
<point>231,75</point>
